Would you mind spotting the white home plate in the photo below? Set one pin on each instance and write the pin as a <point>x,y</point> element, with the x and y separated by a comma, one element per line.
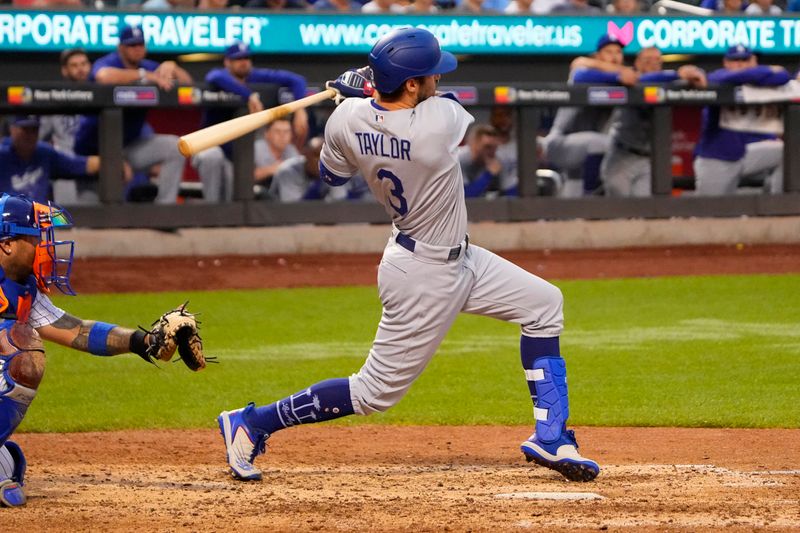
<point>549,496</point>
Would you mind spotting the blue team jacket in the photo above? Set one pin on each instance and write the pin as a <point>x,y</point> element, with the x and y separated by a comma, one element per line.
<point>134,123</point>
<point>221,79</point>
<point>728,145</point>
<point>33,177</point>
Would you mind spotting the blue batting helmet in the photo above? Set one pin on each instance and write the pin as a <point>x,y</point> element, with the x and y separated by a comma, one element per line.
<point>407,53</point>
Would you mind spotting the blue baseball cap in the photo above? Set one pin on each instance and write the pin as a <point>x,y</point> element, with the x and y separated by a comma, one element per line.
<point>739,51</point>
<point>606,40</point>
<point>25,121</point>
<point>238,50</point>
<point>131,35</point>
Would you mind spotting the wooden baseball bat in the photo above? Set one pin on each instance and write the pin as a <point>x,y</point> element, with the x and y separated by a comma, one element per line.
<point>197,141</point>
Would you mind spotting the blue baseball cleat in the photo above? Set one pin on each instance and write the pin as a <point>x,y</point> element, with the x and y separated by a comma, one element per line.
<point>242,444</point>
<point>562,456</point>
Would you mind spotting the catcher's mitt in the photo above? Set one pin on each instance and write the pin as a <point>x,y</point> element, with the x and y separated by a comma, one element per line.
<point>177,330</point>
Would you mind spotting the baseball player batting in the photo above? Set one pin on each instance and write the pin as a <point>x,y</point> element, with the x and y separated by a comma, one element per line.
<point>32,261</point>
<point>404,142</point>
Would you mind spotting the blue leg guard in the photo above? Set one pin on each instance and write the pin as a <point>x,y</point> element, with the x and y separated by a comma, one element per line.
<point>550,405</point>
<point>552,445</point>
<point>12,475</point>
<point>14,400</point>
<point>12,462</point>
<point>546,373</point>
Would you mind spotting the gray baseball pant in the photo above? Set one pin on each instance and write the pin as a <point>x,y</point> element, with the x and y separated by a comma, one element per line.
<point>216,174</point>
<point>421,299</point>
<point>626,174</point>
<point>715,177</point>
<point>146,152</point>
<point>568,153</point>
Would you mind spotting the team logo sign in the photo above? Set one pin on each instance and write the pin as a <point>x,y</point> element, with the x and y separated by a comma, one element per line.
<point>654,95</point>
<point>189,96</point>
<point>19,95</point>
<point>505,95</point>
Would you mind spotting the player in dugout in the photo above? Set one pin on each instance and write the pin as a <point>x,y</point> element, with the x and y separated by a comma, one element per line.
<point>29,166</point>
<point>236,76</point>
<point>142,147</point>
<point>735,146</point>
<point>577,142</point>
<point>626,167</point>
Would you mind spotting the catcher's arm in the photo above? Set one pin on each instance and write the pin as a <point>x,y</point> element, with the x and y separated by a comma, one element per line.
<point>175,330</point>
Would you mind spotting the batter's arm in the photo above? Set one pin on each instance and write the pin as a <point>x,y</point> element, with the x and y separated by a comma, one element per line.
<point>330,178</point>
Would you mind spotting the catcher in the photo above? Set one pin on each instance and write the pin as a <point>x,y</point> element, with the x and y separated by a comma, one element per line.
<point>32,261</point>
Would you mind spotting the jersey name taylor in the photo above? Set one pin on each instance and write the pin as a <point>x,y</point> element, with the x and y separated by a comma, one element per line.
<point>376,144</point>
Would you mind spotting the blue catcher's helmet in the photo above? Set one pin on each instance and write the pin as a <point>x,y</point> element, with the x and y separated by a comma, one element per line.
<point>22,216</point>
<point>18,215</point>
<point>407,53</point>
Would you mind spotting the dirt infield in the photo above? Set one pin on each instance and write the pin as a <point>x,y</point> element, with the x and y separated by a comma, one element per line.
<point>239,272</point>
<point>367,478</point>
<point>370,478</point>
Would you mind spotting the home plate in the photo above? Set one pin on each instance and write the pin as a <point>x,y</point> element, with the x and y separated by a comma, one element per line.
<point>549,496</point>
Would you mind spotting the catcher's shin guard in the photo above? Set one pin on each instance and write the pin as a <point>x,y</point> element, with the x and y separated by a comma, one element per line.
<point>21,370</point>
<point>12,462</point>
<point>12,475</point>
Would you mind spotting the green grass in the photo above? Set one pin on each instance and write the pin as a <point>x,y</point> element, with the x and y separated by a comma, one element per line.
<point>691,351</point>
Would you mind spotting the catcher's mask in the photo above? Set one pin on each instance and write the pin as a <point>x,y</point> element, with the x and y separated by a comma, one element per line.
<point>53,262</point>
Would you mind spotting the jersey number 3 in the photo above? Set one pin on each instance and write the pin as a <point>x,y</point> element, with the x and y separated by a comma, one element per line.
<point>401,206</point>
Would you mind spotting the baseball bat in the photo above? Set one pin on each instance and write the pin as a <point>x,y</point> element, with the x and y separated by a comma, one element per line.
<point>197,141</point>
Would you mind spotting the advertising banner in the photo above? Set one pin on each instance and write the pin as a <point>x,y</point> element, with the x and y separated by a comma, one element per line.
<point>337,34</point>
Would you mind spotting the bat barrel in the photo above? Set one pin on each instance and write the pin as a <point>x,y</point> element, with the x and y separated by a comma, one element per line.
<point>195,142</point>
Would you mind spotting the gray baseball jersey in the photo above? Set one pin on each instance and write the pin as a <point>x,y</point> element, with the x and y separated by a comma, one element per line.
<point>264,156</point>
<point>60,130</point>
<point>290,183</point>
<point>471,170</point>
<point>632,127</point>
<point>625,170</point>
<point>417,181</point>
<point>428,273</point>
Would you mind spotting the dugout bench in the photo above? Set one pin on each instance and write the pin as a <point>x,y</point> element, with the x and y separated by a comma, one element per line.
<point>527,99</point>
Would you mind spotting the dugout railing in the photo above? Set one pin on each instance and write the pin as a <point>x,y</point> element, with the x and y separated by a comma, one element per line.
<point>528,101</point>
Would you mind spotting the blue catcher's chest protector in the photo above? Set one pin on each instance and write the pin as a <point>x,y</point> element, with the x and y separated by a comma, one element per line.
<point>16,299</point>
<point>15,306</point>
